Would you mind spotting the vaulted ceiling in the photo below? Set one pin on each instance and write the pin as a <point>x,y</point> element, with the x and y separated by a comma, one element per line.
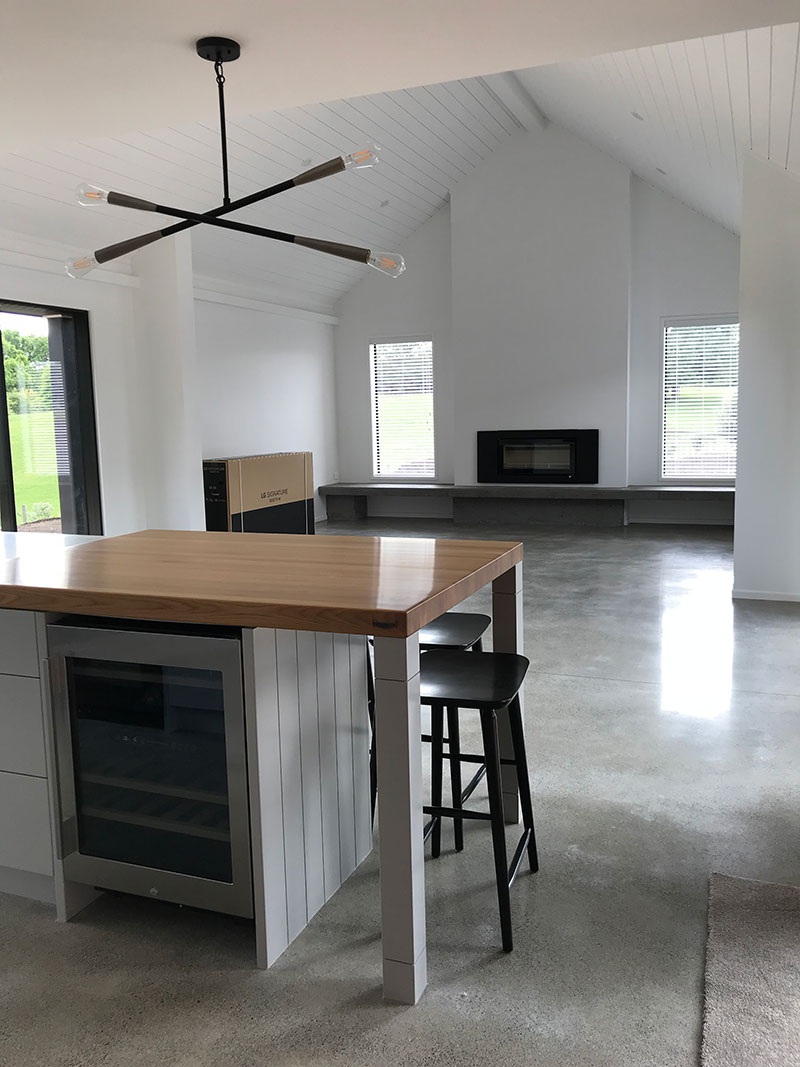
<point>682,115</point>
<point>431,137</point>
<point>81,69</point>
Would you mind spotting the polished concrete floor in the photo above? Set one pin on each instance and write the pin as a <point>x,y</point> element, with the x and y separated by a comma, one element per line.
<point>663,727</point>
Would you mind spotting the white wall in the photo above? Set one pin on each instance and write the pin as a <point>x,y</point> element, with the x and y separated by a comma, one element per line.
<point>682,264</point>
<point>538,239</point>
<point>379,308</point>
<point>177,379</point>
<point>266,384</point>
<point>767,526</point>
<point>545,283</point>
<point>541,262</point>
<point>168,435</point>
<point>33,272</point>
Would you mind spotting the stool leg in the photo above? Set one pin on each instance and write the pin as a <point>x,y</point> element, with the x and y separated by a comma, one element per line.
<point>478,646</point>
<point>437,759</point>
<point>525,803</point>
<point>490,747</point>
<point>455,772</point>
<point>373,758</point>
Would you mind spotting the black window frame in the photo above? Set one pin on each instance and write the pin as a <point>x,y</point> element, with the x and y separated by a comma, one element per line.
<point>73,350</point>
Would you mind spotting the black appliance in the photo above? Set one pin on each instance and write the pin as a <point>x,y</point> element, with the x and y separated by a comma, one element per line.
<point>537,456</point>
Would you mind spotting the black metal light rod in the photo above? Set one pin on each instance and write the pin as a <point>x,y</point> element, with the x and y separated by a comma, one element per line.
<point>103,255</point>
<point>223,134</point>
<point>124,248</point>
<point>219,50</point>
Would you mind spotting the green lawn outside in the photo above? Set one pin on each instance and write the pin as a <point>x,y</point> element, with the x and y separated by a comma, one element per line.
<point>700,431</point>
<point>33,455</point>
<point>406,423</point>
<point>716,402</point>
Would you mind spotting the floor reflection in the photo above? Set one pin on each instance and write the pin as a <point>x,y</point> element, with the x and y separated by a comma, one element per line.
<point>697,647</point>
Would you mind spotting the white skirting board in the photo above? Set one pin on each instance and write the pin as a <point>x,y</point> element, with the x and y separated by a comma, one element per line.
<point>308,766</point>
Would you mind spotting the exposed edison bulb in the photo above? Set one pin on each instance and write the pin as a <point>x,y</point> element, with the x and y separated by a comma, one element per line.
<point>91,194</point>
<point>391,263</point>
<point>368,156</point>
<point>76,268</point>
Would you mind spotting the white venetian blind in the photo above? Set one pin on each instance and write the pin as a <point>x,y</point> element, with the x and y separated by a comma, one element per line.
<point>701,390</point>
<point>402,399</point>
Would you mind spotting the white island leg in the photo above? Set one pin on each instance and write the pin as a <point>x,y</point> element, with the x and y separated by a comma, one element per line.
<point>507,637</point>
<point>399,748</point>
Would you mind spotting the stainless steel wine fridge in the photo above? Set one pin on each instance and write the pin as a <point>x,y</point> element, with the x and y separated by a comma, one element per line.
<point>150,749</point>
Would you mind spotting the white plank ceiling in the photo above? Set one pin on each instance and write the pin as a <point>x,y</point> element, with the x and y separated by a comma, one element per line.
<point>679,115</point>
<point>431,137</point>
<point>682,115</point>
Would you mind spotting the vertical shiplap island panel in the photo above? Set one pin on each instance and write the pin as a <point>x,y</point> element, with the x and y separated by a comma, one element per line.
<point>329,775</point>
<point>291,780</point>
<point>310,757</point>
<point>344,753</point>
<point>308,761</point>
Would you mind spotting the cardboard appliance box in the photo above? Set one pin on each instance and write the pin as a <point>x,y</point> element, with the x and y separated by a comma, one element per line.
<point>260,494</point>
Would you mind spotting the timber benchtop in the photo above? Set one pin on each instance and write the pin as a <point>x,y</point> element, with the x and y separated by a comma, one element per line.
<point>389,586</point>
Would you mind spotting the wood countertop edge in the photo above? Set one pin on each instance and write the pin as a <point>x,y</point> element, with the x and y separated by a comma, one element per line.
<point>180,609</point>
<point>322,619</point>
<point>445,599</point>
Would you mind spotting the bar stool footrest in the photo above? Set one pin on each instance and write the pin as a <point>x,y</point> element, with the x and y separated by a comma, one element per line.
<point>455,813</point>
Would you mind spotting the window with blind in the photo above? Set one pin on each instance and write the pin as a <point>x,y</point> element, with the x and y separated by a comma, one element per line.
<point>402,409</point>
<point>701,389</point>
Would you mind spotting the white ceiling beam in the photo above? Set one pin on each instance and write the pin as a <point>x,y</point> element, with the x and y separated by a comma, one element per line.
<point>509,91</point>
<point>217,291</point>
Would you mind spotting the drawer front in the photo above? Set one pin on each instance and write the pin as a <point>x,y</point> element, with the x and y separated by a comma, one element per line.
<point>21,726</point>
<point>18,650</point>
<point>25,842</point>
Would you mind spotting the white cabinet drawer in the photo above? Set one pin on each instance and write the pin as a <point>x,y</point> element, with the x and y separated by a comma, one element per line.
<point>21,726</point>
<point>25,842</point>
<point>18,651</point>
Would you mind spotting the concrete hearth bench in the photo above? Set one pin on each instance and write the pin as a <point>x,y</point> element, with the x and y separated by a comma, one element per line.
<point>591,505</point>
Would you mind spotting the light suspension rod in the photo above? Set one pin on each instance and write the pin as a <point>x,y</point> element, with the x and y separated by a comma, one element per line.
<point>226,192</point>
<point>219,50</point>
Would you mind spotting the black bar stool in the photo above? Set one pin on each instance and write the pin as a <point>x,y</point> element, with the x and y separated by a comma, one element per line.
<point>455,630</point>
<point>488,681</point>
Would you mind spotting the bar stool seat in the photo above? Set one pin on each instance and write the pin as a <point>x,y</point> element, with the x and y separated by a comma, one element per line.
<point>458,630</point>
<point>478,680</point>
<point>490,682</point>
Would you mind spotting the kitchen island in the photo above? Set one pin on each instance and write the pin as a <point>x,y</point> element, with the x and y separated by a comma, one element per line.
<point>297,600</point>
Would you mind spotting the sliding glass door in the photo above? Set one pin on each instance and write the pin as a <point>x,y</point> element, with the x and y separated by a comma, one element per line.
<point>48,453</point>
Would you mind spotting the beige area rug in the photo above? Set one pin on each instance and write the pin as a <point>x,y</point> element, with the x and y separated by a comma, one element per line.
<point>752,998</point>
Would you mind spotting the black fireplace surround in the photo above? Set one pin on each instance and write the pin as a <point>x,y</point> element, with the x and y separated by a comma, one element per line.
<point>537,456</point>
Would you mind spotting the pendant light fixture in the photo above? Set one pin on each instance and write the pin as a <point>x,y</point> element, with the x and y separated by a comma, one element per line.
<point>220,50</point>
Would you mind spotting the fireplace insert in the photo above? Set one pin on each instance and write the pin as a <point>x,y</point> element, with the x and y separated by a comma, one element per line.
<point>538,456</point>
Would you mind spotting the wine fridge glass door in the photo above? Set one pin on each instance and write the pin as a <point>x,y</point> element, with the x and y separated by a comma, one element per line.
<point>149,735</point>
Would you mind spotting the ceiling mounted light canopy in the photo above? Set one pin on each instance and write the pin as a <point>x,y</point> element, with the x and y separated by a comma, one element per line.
<point>219,50</point>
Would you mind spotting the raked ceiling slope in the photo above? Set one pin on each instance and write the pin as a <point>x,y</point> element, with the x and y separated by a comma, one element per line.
<point>431,137</point>
<point>702,104</point>
<point>79,69</point>
<point>682,115</point>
